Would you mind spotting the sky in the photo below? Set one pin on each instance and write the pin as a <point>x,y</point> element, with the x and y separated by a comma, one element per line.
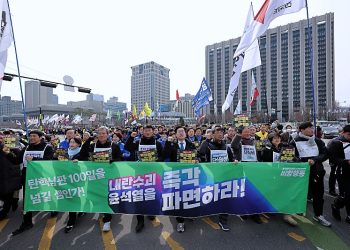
<point>96,42</point>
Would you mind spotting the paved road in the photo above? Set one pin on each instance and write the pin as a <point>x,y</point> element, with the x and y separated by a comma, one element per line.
<point>202,233</point>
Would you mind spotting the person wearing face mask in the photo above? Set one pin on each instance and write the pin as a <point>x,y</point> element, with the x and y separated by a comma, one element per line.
<point>37,149</point>
<point>103,150</point>
<point>312,150</point>
<point>218,152</point>
<point>73,155</point>
<point>147,149</point>
<point>339,154</point>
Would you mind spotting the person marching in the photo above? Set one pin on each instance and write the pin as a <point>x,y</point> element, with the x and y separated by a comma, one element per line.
<point>313,150</point>
<point>70,133</point>
<point>104,150</point>
<point>180,150</point>
<point>147,149</point>
<point>73,155</point>
<point>273,154</point>
<point>244,150</point>
<point>217,151</point>
<point>339,155</point>
<point>37,149</point>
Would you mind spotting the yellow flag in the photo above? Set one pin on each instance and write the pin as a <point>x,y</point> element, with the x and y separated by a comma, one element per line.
<point>147,109</point>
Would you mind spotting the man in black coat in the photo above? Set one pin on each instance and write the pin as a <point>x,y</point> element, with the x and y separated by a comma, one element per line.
<point>147,149</point>
<point>173,151</point>
<point>311,149</point>
<point>10,180</point>
<point>37,150</point>
<point>339,154</point>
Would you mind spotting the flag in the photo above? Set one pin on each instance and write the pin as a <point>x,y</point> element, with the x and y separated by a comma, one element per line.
<point>6,37</point>
<point>108,116</point>
<point>201,119</point>
<point>177,99</point>
<point>18,123</point>
<point>53,118</point>
<point>254,92</point>
<point>202,98</point>
<point>142,115</point>
<point>92,118</point>
<point>270,10</point>
<point>134,112</point>
<point>238,109</point>
<point>77,119</point>
<point>244,61</point>
<point>118,115</point>
<point>147,110</point>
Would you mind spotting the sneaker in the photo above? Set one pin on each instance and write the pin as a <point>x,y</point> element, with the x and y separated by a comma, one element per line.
<point>180,227</point>
<point>106,226</point>
<point>336,213</point>
<point>257,218</point>
<point>53,214</point>
<point>333,193</point>
<point>81,214</point>
<point>288,218</point>
<point>322,220</point>
<point>22,228</point>
<point>224,226</point>
<point>139,226</point>
<point>347,219</point>
<point>68,229</point>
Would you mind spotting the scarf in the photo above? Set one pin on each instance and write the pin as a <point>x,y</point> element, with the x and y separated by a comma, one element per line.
<point>72,152</point>
<point>311,140</point>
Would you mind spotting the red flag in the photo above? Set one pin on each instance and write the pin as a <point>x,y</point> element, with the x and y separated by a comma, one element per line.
<point>254,93</point>
<point>177,95</point>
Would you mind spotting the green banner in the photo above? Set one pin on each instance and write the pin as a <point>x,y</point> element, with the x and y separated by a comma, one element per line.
<point>174,189</point>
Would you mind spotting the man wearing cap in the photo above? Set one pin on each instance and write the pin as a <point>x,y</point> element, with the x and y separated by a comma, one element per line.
<point>103,150</point>
<point>37,149</point>
<point>313,150</point>
<point>217,151</point>
<point>147,149</point>
<point>339,154</point>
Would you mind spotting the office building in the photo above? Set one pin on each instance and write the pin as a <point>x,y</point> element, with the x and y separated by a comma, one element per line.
<point>150,83</point>
<point>36,95</point>
<point>284,78</point>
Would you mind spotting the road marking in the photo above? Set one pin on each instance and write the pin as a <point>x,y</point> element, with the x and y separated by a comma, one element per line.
<point>320,236</point>
<point>211,223</point>
<point>46,239</point>
<point>3,224</point>
<point>296,236</point>
<point>156,222</point>
<point>267,217</point>
<point>108,239</point>
<point>174,245</point>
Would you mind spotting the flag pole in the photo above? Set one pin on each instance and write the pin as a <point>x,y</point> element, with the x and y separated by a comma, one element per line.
<point>18,71</point>
<point>311,65</point>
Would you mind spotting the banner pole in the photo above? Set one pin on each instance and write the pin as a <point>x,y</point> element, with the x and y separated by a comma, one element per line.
<point>18,71</point>
<point>311,65</point>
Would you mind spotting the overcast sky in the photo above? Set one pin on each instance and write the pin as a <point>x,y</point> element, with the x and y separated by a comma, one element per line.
<point>96,42</point>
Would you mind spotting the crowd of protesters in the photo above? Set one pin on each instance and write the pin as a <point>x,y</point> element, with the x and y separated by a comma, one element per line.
<point>128,144</point>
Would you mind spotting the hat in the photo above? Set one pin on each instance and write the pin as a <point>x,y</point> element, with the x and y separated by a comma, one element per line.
<point>346,128</point>
<point>38,132</point>
<point>305,125</point>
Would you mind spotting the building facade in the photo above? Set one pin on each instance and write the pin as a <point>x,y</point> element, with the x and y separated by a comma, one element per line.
<point>284,78</point>
<point>114,106</point>
<point>36,95</point>
<point>150,83</point>
<point>185,105</point>
<point>9,107</point>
